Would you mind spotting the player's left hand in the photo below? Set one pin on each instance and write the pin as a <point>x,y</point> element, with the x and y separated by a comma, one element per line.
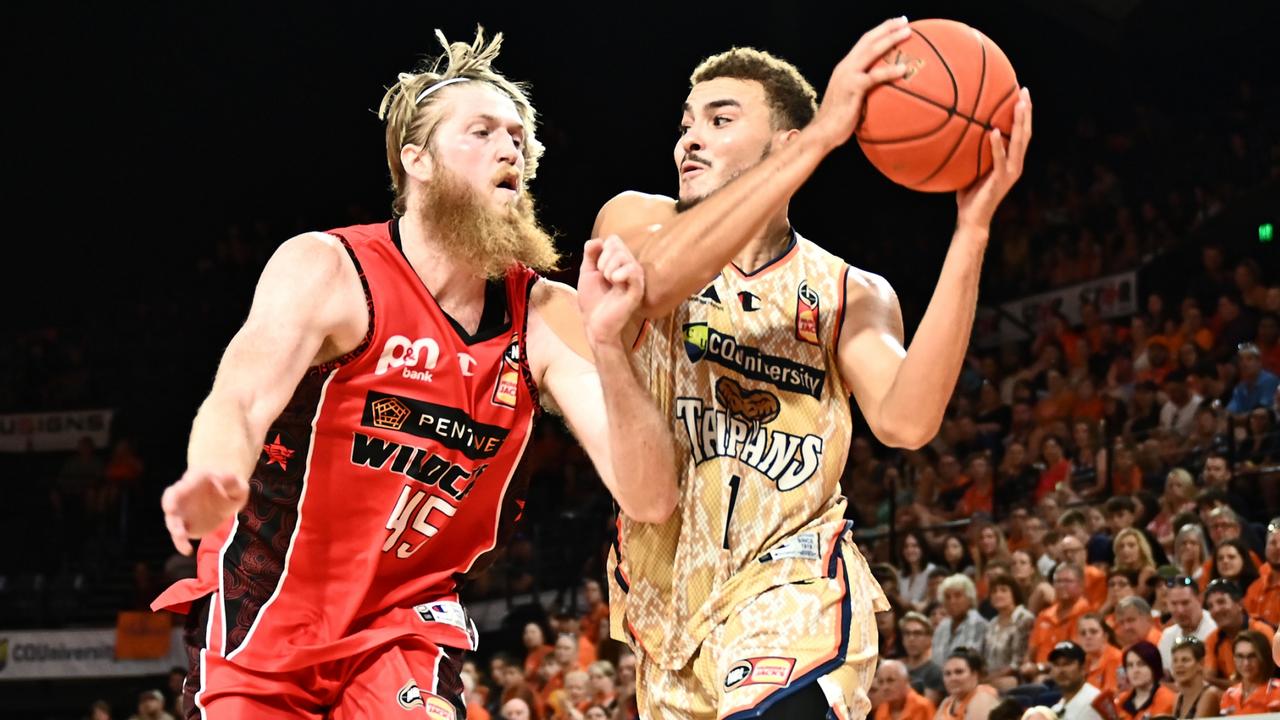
<point>977,203</point>
<point>610,288</point>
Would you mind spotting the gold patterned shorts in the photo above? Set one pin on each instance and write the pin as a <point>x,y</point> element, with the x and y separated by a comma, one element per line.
<point>775,644</point>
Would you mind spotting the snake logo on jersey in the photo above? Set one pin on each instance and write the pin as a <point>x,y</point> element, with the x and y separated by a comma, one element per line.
<point>738,431</point>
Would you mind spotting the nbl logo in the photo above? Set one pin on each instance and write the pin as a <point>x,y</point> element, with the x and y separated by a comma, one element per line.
<point>807,301</point>
<point>507,387</point>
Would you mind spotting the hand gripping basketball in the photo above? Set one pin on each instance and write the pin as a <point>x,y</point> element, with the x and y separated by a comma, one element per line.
<point>855,75</point>
<point>199,502</point>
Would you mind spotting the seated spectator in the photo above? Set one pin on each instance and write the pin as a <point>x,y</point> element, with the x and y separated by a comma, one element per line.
<point>1223,600</point>
<point>101,710</point>
<point>988,546</point>
<point>1195,696</point>
<point>1224,525</point>
<point>1146,696</point>
<point>917,639</point>
<point>966,697</point>
<point>1257,690</point>
<point>474,698</point>
<point>913,569</point>
<point>887,626</point>
<point>597,610</point>
<point>1188,615</point>
<point>1179,411</point>
<point>1120,585</point>
<point>1102,658</point>
<point>1057,468</point>
<point>519,709</point>
<point>534,638</point>
<point>1080,700</point>
<point>1133,554</point>
<point>1007,633</point>
<point>963,626</point>
<point>1191,554</point>
<point>955,557</point>
<point>979,496</point>
<point>604,691</point>
<point>1095,579</point>
<point>1232,560</point>
<point>151,707</point>
<point>1257,387</point>
<point>897,700</point>
<point>1037,591</point>
<point>1261,445</point>
<point>1056,623</point>
<point>1136,622</point>
<point>1178,497</point>
<point>1262,599</point>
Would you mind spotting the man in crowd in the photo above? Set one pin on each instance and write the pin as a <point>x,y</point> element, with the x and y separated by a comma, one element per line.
<point>1189,617</point>
<point>1262,598</point>
<point>917,641</point>
<point>1080,700</point>
<point>1056,623</point>
<point>898,700</point>
<point>1223,600</point>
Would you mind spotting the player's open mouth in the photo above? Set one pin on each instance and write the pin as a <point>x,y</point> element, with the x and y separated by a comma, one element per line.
<point>689,171</point>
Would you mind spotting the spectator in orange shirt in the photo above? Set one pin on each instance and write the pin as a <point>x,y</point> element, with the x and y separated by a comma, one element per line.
<point>597,609</point>
<point>1257,692</point>
<point>1125,475</point>
<point>1232,560</point>
<point>898,700</point>
<point>1262,599</point>
<point>1095,580</point>
<point>979,497</point>
<point>1136,623</point>
<point>1056,623</point>
<point>1146,697</point>
<point>967,699</point>
<point>1102,658</point>
<point>1223,600</point>
<point>1057,468</point>
<point>535,648</point>
<point>573,652</point>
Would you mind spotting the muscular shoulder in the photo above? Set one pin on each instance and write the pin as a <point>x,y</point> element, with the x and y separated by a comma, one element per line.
<point>864,286</point>
<point>312,258</point>
<point>630,210</point>
<point>871,304</point>
<point>554,324</point>
<point>313,271</point>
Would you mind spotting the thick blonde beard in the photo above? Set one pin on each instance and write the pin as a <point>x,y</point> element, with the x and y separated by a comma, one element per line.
<point>487,240</point>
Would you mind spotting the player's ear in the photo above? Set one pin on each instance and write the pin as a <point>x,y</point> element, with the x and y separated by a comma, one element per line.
<point>782,138</point>
<point>417,161</point>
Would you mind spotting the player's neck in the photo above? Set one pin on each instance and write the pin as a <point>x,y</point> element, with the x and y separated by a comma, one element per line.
<point>455,286</point>
<point>765,247</point>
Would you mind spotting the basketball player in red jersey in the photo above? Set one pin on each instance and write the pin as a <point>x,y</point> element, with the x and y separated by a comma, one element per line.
<point>750,601</point>
<point>355,457</point>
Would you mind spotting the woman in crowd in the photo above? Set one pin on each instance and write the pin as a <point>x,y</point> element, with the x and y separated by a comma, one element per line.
<point>604,682</point>
<point>1191,551</point>
<point>967,699</point>
<point>1179,496</point>
<point>913,569</point>
<point>1133,554</point>
<point>988,545</point>
<point>535,648</point>
<point>1037,591</point>
<point>1196,698</point>
<point>1007,633</point>
<point>1126,475</point>
<point>1232,560</point>
<point>1257,692</point>
<point>1146,697</point>
<point>955,557</point>
<point>1101,657</point>
<point>1057,467</point>
<point>1088,460</point>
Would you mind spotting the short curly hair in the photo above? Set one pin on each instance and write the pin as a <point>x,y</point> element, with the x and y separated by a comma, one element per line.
<point>792,100</point>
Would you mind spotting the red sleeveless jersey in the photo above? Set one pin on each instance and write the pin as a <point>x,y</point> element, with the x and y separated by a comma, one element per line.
<point>387,477</point>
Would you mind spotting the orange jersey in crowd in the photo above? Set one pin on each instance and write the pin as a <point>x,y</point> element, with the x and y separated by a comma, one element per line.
<point>1102,671</point>
<point>1050,629</point>
<point>1161,704</point>
<point>1262,599</point>
<point>1262,699</point>
<point>917,707</point>
<point>1220,660</point>
<point>1095,586</point>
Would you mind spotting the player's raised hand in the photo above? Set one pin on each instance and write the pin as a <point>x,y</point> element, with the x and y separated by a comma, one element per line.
<point>855,76</point>
<point>977,203</point>
<point>199,502</point>
<point>610,288</point>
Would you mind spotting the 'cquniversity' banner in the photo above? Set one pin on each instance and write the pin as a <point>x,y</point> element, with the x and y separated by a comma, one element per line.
<point>50,654</point>
<point>42,432</point>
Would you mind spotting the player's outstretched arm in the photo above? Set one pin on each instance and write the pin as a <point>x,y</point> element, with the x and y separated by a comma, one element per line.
<point>605,404</point>
<point>681,253</point>
<point>904,393</point>
<point>303,311</point>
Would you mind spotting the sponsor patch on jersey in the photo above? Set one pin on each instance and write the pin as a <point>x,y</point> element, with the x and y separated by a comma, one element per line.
<point>701,341</point>
<point>278,453</point>
<point>803,546</point>
<point>446,425</point>
<point>443,611</point>
<point>439,708</point>
<point>418,357</point>
<point>506,389</point>
<point>760,671</point>
<point>807,302</point>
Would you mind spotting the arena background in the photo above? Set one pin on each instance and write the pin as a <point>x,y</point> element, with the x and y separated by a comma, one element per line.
<point>158,152</point>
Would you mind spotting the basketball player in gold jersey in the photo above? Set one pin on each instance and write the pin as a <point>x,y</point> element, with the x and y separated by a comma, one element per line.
<point>751,600</point>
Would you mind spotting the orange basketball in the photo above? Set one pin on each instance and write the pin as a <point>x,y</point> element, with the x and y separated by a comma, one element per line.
<point>928,130</point>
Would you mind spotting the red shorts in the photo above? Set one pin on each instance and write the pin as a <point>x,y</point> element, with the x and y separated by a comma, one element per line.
<point>410,676</point>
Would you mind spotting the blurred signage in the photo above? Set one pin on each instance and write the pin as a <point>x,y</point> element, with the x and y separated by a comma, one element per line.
<point>53,431</point>
<point>50,654</point>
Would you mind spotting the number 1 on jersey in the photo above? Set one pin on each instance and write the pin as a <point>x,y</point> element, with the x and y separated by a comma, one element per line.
<point>734,482</point>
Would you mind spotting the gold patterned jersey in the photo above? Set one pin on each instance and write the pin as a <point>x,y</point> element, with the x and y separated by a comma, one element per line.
<point>746,371</point>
